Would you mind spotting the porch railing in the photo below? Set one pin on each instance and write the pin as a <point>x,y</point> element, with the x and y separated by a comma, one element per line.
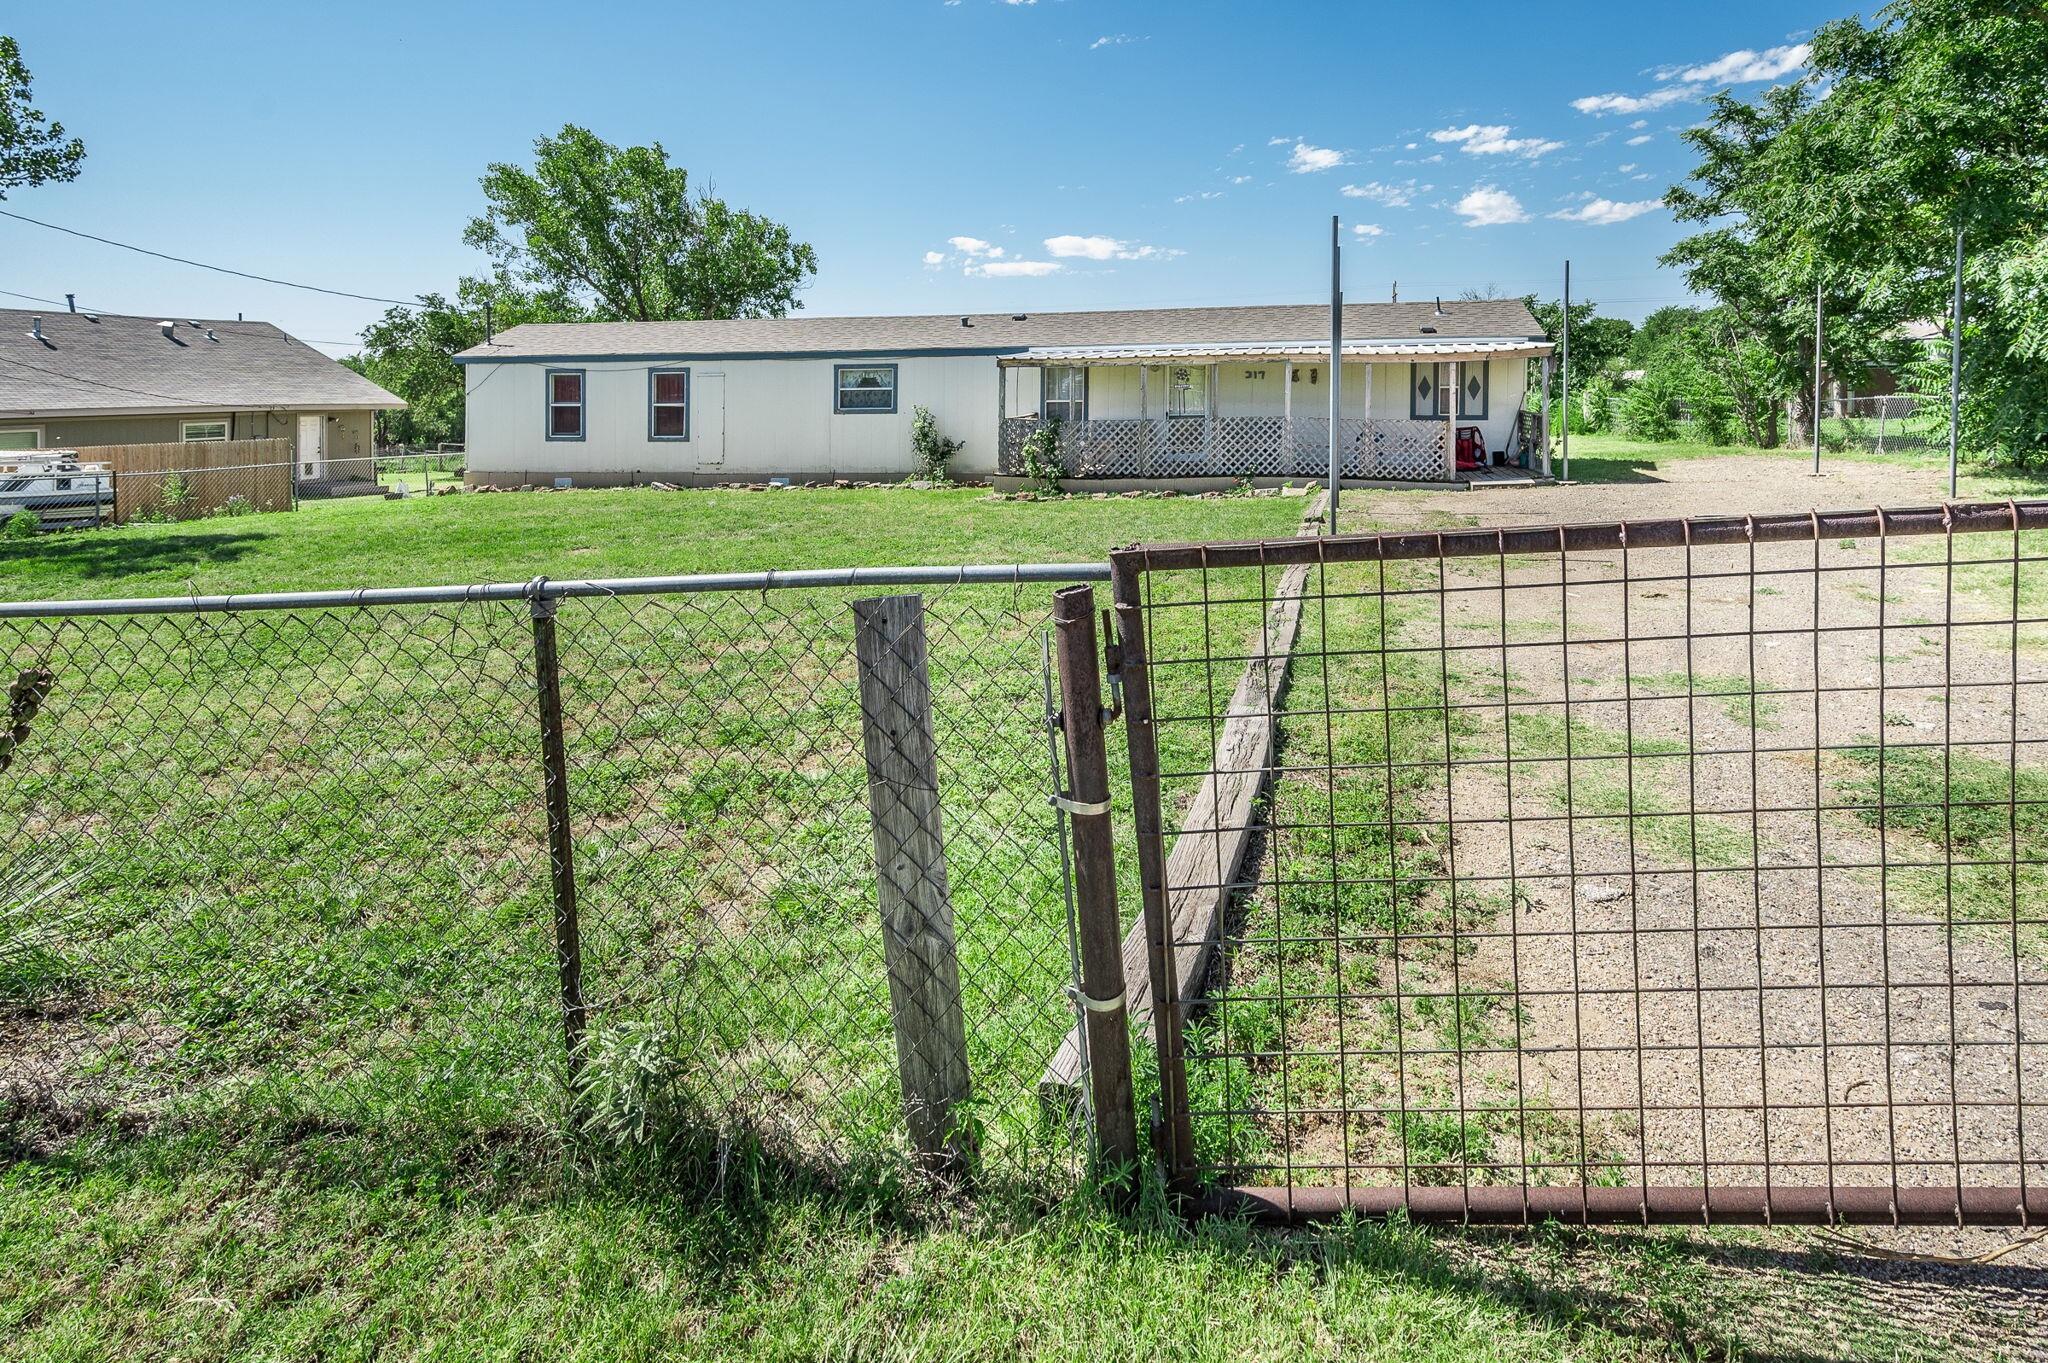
<point>1238,447</point>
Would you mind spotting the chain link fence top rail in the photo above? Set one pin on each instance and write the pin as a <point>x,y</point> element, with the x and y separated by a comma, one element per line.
<point>286,858</point>
<point>1670,870</point>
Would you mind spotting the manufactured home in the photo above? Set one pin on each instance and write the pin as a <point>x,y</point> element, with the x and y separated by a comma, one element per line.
<point>1429,392</point>
<point>73,380</point>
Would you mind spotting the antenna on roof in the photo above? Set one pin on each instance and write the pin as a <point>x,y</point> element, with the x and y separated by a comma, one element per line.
<point>71,302</point>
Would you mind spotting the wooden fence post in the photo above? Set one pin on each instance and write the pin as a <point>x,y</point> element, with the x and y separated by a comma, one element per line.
<point>910,875</point>
<point>1106,1012</point>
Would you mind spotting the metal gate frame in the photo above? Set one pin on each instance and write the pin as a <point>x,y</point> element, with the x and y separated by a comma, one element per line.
<point>1642,1204</point>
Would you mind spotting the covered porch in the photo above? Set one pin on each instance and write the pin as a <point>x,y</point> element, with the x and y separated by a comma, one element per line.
<point>1261,411</point>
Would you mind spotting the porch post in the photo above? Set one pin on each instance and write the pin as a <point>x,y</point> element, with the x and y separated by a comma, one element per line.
<point>1543,419</point>
<point>1144,420</point>
<point>1451,426</point>
<point>1287,415</point>
<point>1209,419</point>
<point>1002,414</point>
<point>1369,454</point>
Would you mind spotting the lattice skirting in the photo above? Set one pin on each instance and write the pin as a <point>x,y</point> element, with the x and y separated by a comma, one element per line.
<point>1238,447</point>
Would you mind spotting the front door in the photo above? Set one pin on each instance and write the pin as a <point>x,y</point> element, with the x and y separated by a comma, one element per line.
<point>707,422</point>
<point>312,459</point>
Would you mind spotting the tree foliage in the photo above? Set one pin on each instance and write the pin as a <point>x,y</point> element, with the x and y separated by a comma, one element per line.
<point>592,233</point>
<point>618,230</point>
<point>33,149</point>
<point>1855,178</point>
<point>1596,341</point>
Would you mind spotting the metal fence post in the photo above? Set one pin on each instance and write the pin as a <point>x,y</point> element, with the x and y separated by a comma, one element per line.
<point>1105,1008</point>
<point>554,755</point>
<point>910,875</point>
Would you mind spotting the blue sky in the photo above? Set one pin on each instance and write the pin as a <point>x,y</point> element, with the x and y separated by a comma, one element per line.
<point>942,155</point>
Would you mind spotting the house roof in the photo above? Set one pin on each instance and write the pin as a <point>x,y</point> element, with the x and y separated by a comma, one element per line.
<point>101,364</point>
<point>1271,329</point>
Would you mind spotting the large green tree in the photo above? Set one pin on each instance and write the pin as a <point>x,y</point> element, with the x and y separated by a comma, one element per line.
<point>592,232</point>
<point>33,149</point>
<point>1927,118</point>
<point>1596,341</point>
<point>619,230</point>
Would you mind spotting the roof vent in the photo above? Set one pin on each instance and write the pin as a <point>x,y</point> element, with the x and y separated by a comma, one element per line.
<point>92,317</point>
<point>211,337</point>
<point>167,328</point>
<point>35,328</point>
<point>1429,331</point>
<point>1440,306</point>
<point>966,321</point>
<point>71,302</point>
<point>1020,317</point>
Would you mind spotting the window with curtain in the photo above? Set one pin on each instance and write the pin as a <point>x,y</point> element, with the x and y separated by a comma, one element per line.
<point>864,388</point>
<point>1066,392</point>
<point>668,399</point>
<point>202,430</point>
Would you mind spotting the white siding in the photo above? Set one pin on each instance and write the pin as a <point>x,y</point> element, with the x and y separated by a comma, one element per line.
<point>778,420</point>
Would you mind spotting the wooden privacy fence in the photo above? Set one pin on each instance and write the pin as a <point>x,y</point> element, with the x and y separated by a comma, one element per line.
<point>183,479</point>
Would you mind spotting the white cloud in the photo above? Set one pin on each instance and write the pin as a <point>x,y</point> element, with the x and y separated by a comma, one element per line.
<point>1111,40</point>
<point>973,246</point>
<point>1636,104</point>
<point>1368,229</point>
<point>1305,159</point>
<point>1640,123</point>
<point>1240,179</point>
<point>1196,197</point>
<point>1013,269</point>
<point>1743,66</point>
<point>1393,196</point>
<point>1639,139</point>
<point>1491,139</point>
<point>1624,168</point>
<point>1104,248</point>
<point>1487,206</point>
<point>934,259</point>
<point>1606,212</point>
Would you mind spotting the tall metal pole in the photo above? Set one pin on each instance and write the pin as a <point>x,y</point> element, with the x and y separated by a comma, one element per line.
<point>1955,365</point>
<point>1336,365</point>
<point>1565,402</point>
<point>1816,378</point>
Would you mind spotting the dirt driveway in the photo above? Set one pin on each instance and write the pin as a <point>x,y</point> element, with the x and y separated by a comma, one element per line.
<point>1730,926</point>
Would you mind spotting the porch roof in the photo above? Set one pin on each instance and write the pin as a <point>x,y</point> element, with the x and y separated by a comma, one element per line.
<point>1402,348</point>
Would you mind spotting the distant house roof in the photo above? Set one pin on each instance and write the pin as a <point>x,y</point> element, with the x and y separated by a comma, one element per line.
<point>101,364</point>
<point>1283,329</point>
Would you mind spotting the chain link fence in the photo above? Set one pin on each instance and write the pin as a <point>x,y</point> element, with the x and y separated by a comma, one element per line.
<point>290,861</point>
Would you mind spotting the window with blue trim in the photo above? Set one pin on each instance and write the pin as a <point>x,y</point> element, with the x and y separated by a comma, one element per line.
<point>565,404</point>
<point>668,404</point>
<point>863,387</point>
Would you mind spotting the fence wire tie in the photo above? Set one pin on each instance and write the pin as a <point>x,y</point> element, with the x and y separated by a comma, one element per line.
<point>1073,806</point>
<point>1095,1005</point>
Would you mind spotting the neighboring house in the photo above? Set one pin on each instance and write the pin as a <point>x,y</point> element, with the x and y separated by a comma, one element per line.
<point>69,380</point>
<point>1182,394</point>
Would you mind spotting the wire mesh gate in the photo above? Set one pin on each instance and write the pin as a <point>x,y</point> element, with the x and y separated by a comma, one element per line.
<point>1686,870</point>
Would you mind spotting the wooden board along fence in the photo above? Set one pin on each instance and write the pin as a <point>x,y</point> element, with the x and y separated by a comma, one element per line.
<point>180,480</point>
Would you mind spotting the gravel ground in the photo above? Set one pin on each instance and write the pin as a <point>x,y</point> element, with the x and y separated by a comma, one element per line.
<point>1685,1003</point>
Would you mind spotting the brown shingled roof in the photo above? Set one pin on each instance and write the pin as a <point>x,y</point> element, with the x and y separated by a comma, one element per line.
<point>999,333</point>
<point>127,364</point>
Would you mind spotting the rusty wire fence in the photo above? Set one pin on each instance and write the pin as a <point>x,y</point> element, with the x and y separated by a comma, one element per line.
<point>1677,870</point>
<point>306,865</point>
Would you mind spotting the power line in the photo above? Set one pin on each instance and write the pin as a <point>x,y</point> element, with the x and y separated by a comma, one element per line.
<point>202,265</point>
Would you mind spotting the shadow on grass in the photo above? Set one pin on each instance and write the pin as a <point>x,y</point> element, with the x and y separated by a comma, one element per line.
<point>113,554</point>
<point>1599,469</point>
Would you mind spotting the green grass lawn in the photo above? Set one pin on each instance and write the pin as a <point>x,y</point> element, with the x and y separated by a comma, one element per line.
<point>279,1075</point>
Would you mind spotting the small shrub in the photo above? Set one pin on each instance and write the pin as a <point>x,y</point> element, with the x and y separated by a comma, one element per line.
<point>237,505</point>
<point>1596,405</point>
<point>21,525</point>
<point>933,453</point>
<point>1041,455</point>
<point>177,493</point>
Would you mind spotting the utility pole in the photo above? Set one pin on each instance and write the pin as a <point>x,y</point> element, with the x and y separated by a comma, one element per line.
<point>1336,367</point>
<point>1955,365</point>
<point>1566,400</point>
